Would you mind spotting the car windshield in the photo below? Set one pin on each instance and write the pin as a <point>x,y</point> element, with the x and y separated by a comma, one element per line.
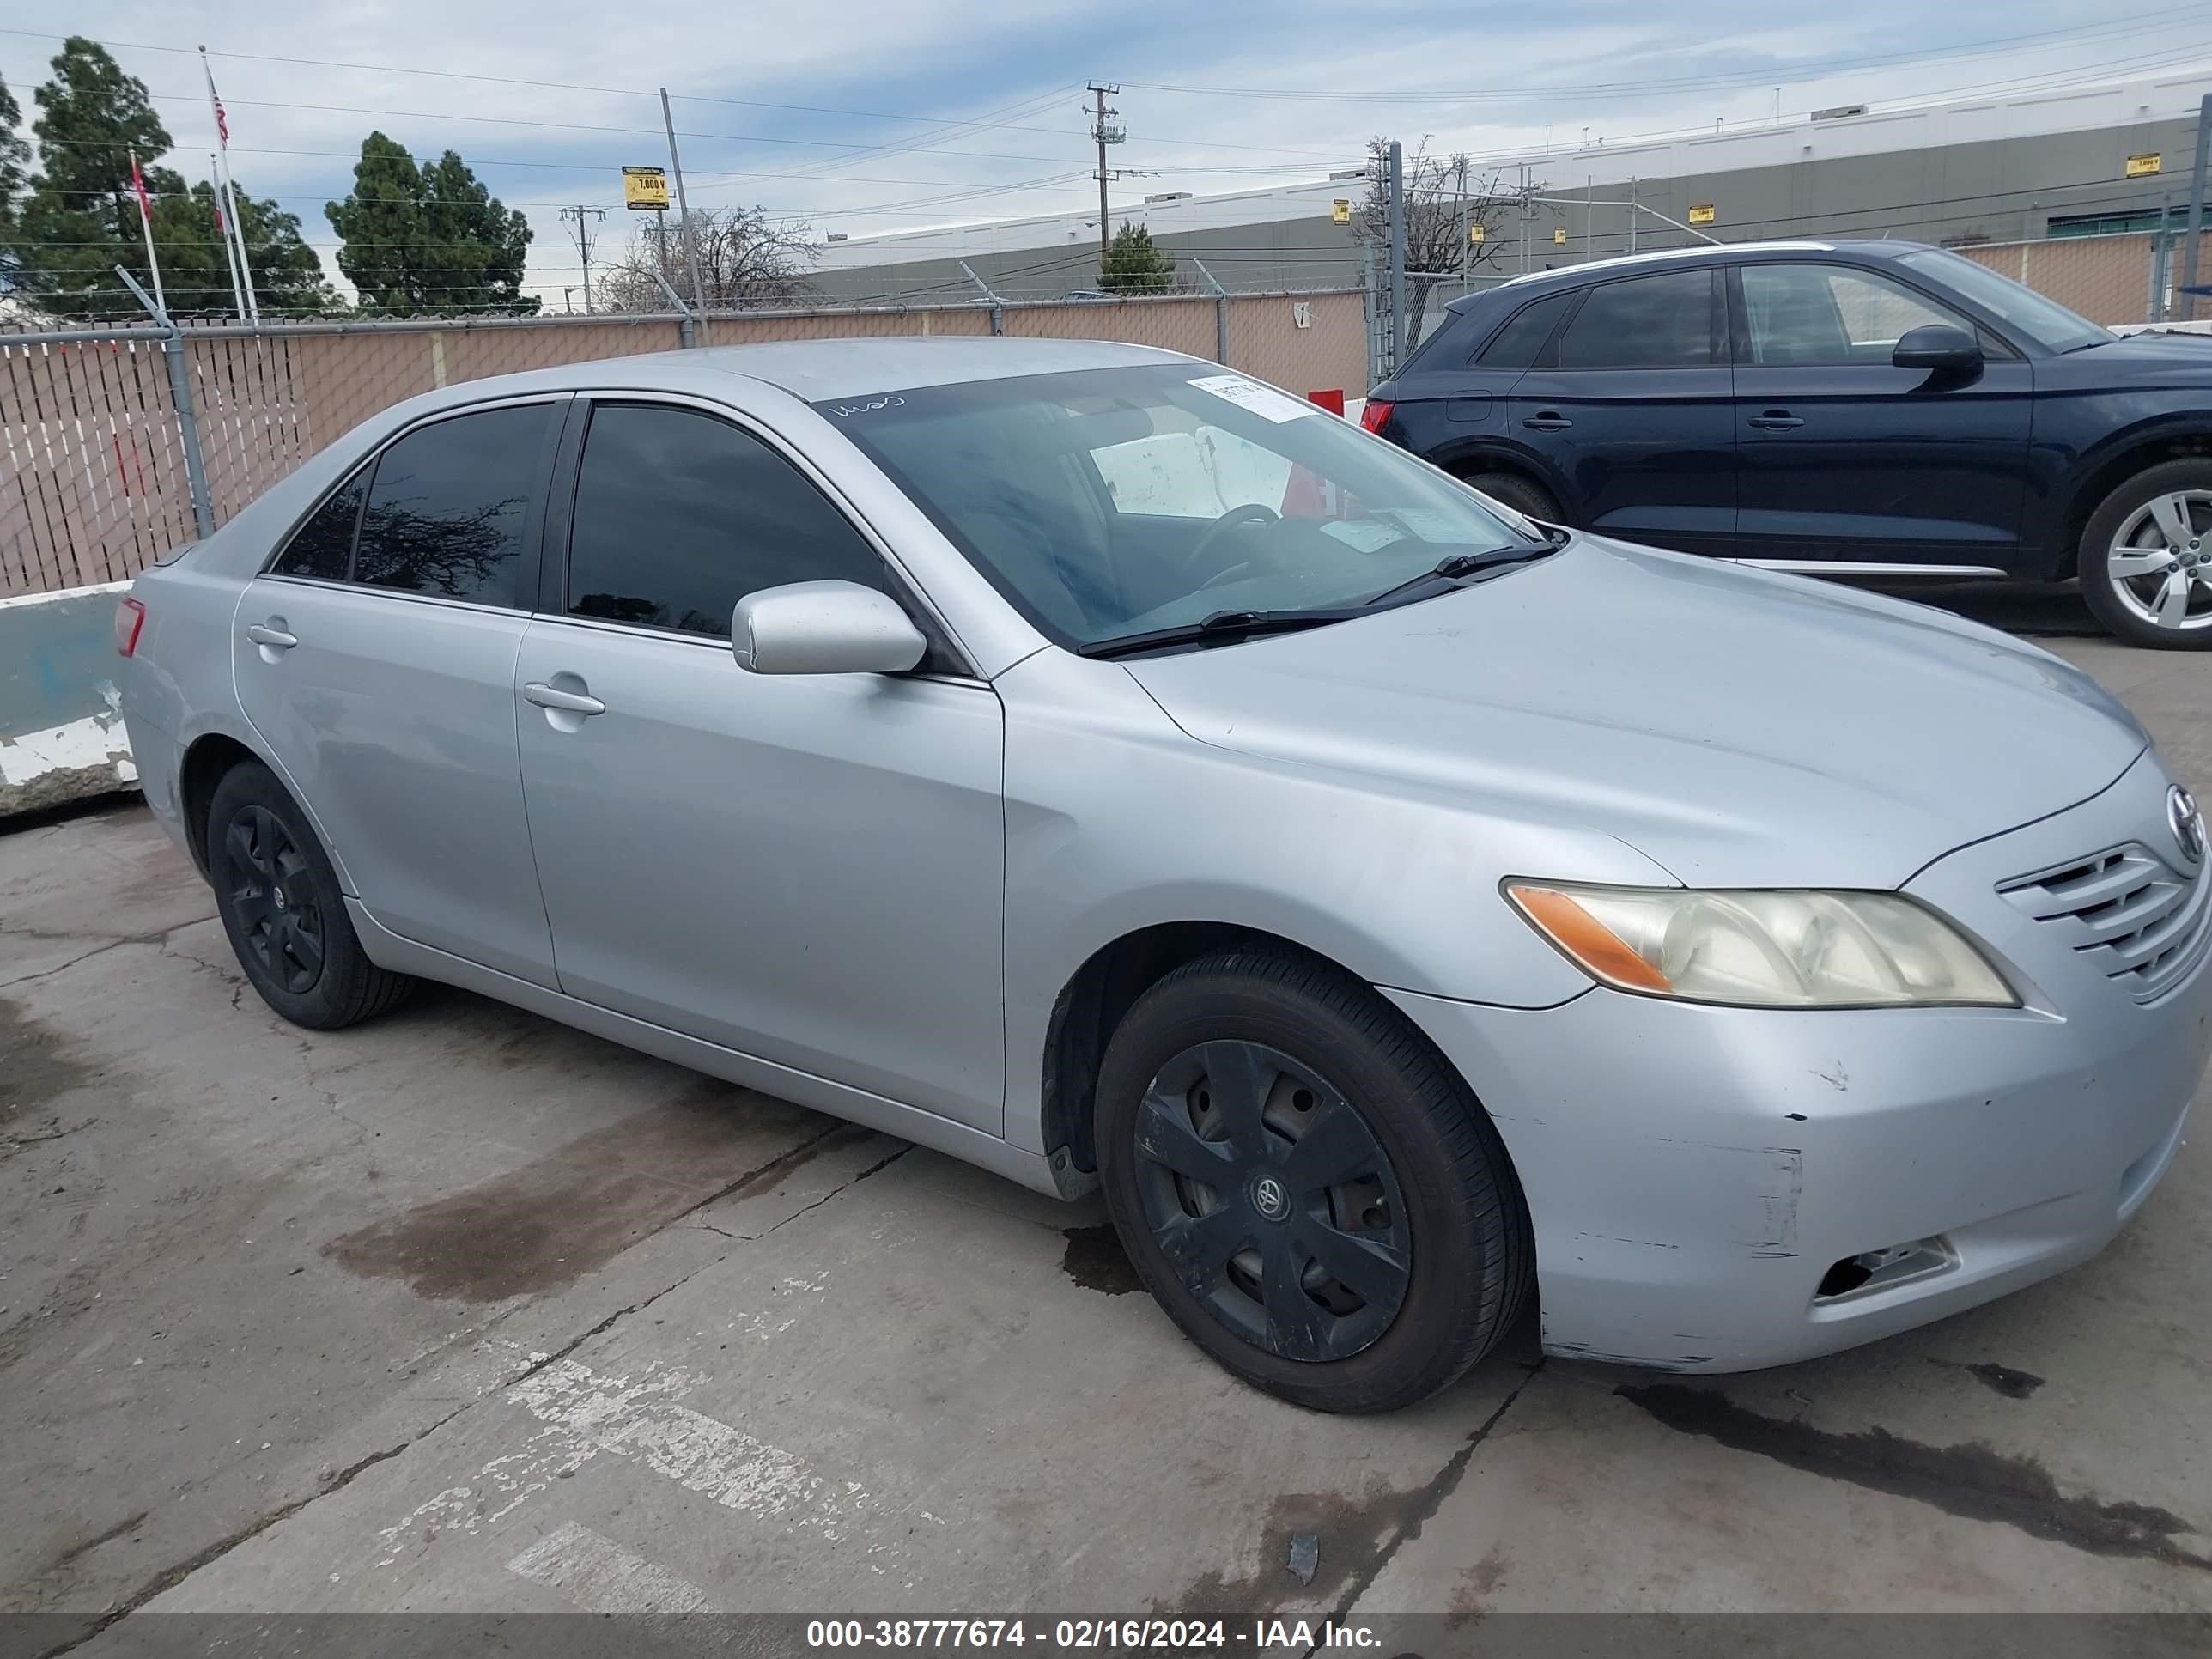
<point>2044,322</point>
<point>1111,503</point>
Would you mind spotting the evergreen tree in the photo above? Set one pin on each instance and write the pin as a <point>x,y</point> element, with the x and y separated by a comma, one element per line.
<point>14,158</point>
<point>80,219</point>
<point>429,239</point>
<point>1135,264</point>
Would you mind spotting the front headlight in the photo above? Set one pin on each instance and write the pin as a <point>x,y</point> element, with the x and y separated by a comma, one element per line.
<point>1762,949</point>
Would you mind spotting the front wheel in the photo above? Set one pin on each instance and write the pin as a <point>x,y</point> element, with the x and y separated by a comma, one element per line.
<point>1309,1192</point>
<point>2145,557</point>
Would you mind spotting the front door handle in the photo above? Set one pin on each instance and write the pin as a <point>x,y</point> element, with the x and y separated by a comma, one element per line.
<point>1776,420</point>
<point>1547,420</point>
<point>272,635</point>
<point>569,703</point>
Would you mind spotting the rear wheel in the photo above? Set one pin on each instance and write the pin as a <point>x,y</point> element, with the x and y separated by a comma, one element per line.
<point>1529,500</point>
<point>1308,1191</point>
<point>281,905</point>
<point>2146,558</point>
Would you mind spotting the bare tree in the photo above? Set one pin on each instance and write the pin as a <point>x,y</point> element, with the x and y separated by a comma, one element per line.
<point>746,261</point>
<point>1445,197</point>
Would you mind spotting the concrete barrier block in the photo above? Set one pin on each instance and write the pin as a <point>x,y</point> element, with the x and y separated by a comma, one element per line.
<point>61,721</point>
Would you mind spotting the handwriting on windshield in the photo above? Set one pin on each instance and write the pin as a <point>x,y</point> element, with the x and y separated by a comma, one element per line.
<point>841,410</point>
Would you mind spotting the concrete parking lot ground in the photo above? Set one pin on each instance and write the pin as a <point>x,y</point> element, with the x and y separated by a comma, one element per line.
<point>463,1310</point>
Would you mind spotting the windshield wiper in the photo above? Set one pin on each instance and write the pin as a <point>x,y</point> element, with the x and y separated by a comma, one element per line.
<point>1223,625</point>
<point>1457,566</point>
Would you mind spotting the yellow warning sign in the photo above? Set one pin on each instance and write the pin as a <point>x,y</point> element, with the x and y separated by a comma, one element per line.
<point>1702,214</point>
<point>645,189</point>
<point>2140,165</point>
<point>1475,233</point>
<point>1559,235</point>
<point>1340,211</point>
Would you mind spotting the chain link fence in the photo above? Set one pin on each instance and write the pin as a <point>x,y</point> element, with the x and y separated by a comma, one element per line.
<point>2132,278</point>
<point>116,444</point>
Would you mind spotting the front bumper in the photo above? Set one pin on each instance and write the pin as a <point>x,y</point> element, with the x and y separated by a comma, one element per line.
<point>1693,1173</point>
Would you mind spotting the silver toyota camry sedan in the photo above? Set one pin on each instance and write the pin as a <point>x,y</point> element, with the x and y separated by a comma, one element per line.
<point>1108,769</point>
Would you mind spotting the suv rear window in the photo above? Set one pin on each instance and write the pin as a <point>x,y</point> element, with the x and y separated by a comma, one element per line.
<point>1517,344</point>
<point>1661,321</point>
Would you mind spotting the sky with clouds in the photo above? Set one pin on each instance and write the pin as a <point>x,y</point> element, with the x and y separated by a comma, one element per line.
<point>865,115</point>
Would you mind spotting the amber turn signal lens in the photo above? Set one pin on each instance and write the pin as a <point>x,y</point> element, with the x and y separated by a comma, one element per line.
<point>1586,939</point>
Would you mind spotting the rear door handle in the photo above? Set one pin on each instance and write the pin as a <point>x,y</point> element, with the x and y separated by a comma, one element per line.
<point>1776,420</point>
<point>551,696</point>
<point>276,638</point>
<point>1548,420</point>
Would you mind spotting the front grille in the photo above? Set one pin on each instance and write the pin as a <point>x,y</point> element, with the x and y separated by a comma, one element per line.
<point>2139,921</point>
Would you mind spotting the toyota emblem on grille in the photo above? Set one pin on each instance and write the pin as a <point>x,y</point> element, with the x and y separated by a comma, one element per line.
<point>2186,822</point>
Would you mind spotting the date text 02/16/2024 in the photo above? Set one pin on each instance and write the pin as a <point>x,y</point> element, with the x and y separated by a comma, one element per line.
<point>1085,1635</point>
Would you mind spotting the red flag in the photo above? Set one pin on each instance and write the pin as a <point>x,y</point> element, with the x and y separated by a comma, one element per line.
<point>138,184</point>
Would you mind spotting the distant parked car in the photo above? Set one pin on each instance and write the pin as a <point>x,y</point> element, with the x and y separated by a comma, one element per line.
<point>1876,409</point>
<point>1114,771</point>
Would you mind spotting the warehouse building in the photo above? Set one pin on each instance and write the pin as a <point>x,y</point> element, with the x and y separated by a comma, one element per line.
<point>2110,160</point>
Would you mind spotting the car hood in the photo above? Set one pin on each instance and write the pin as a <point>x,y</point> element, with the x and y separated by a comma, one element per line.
<point>1735,726</point>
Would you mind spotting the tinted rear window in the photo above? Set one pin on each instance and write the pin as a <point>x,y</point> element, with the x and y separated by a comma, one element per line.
<point>450,503</point>
<point>323,547</point>
<point>1664,321</point>
<point>1516,344</point>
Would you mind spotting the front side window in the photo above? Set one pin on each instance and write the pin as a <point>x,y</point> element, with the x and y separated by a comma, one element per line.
<point>2042,320</point>
<point>1808,315</point>
<point>449,505</point>
<point>1115,501</point>
<point>1664,321</point>
<point>680,514</point>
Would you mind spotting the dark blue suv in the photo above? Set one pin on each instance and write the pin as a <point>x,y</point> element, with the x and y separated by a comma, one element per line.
<point>1876,409</point>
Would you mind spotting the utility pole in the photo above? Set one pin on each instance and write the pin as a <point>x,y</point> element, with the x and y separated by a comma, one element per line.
<point>683,213</point>
<point>1103,135</point>
<point>583,215</point>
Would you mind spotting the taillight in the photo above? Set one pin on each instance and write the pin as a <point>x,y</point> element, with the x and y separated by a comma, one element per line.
<point>130,617</point>
<point>1376,411</point>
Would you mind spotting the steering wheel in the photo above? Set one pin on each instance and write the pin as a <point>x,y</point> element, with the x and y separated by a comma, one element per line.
<point>1248,512</point>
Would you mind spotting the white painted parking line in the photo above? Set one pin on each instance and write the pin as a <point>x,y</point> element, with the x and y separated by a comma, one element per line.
<point>586,1414</point>
<point>600,1575</point>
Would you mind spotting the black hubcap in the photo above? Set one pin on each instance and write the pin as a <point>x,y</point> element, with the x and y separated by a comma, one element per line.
<point>1273,1202</point>
<point>272,895</point>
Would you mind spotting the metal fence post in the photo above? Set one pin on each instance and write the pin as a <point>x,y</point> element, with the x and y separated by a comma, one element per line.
<point>997,306</point>
<point>180,395</point>
<point>2195,208</point>
<point>1220,312</point>
<point>1397,254</point>
<point>687,333</point>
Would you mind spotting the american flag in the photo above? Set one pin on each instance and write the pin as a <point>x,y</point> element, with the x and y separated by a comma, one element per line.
<point>221,121</point>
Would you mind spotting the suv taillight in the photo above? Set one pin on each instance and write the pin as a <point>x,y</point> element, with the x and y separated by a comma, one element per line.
<point>1376,411</point>
<point>130,617</point>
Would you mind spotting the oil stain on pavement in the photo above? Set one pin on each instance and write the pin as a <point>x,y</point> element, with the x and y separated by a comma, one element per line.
<point>1972,1480</point>
<point>545,1224</point>
<point>1095,1259</point>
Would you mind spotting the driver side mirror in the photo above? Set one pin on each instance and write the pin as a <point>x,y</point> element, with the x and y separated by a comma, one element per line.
<point>824,628</point>
<point>1937,346</point>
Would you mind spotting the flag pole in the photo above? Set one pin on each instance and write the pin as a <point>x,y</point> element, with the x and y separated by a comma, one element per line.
<point>230,192</point>
<point>146,223</point>
<point>223,235</point>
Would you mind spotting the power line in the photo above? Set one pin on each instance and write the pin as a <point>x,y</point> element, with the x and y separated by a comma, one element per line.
<point>1783,73</point>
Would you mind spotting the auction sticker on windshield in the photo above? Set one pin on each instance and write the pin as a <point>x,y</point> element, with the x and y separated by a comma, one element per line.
<point>1262,400</point>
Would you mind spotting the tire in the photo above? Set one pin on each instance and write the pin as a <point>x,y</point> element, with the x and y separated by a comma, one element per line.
<point>1530,500</point>
<point>282,906</point>
<point>1413,1196</point>
<point>2139,526</point>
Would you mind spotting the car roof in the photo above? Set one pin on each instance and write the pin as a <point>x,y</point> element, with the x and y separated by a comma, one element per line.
<point>819,369</point>
<point>1574,275</point>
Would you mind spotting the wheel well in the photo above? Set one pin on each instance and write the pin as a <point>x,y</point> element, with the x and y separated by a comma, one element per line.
<point>205,763</point>
<point>2110,476</point>
<point>1090,1007</point>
